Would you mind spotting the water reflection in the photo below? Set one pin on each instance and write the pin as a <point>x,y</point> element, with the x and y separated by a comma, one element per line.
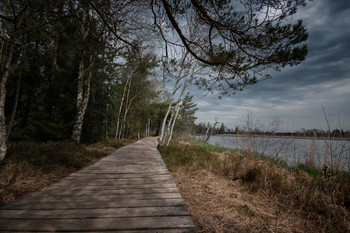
<point>294,151</point>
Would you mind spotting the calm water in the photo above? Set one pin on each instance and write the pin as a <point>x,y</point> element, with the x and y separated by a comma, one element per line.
<point>293,151</point>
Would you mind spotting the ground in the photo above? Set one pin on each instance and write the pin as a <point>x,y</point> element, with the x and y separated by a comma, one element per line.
<point>221,205</point>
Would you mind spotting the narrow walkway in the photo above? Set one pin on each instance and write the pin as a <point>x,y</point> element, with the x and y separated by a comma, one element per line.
<point>130,190</point>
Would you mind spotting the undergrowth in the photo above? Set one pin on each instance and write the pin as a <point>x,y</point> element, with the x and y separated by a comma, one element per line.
<point>29,166</point>
<point>323,201</point>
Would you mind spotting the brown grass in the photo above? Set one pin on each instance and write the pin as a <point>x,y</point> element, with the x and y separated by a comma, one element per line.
<point>232,192</point>
<point>18,180</point>
<point>30,166</point>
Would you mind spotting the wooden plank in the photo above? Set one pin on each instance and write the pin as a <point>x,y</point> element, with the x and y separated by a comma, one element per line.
<point>91,205</point>
<point>95,213</point>
<point>80,187</point>
<point>105,224</point>
<point>94,197</point>
<point>111,182</point>
<point>182,230</point>
<point>102,192</point>
<point>104,176</point>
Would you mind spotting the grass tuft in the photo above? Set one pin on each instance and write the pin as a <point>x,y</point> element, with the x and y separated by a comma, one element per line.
<point>326,202</point>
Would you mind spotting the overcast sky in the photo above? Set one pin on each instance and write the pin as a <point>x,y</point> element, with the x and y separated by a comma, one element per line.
<point>296,94</point>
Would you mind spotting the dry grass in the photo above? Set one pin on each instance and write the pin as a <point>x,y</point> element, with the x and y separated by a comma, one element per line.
<point>220,205</point>
<point>30,166</point>
<point>18,180</point>
<point>232,192</point>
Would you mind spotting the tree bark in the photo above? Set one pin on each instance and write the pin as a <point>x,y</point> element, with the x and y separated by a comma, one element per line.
<point>125,111</point>
<point>84,79</point>
<point>14,107</point>
<point>3,130</point>
<point>3,32</point>
<point>120,109</point>
<point>82,97</point>
<point>179,77</point>
<point>176,110</point>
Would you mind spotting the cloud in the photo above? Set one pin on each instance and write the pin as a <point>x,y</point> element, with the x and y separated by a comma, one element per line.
<point>297,93</point>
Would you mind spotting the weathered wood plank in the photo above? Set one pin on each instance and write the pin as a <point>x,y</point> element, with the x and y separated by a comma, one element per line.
<point>102,192</point>
<point>116,176</point>
<point>91,205</point>
<point>93,197</point>
<point>105,224</point>
<point>112,182</point>
<point>95,213</point>
<point>182,230</point>
<point>80,187</point>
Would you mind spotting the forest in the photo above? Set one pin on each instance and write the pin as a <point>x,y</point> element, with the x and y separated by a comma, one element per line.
<point>88,70</point>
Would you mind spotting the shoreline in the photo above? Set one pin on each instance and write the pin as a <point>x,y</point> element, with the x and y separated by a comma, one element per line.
<point>276,136</point>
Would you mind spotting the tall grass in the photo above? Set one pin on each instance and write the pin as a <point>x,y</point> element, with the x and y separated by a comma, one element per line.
<point>324,201</point>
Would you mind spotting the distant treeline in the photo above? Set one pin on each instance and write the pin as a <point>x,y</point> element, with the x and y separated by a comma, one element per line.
<point>319,133</point>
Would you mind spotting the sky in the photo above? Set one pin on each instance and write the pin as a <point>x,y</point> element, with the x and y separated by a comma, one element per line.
<point>296,94</point>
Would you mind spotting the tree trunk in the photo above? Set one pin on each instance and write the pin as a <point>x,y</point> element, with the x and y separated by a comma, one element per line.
<point>176,111</point>
<point>162,130</point>
<point>83,91</point>
<point>82,97</point>
<point>14,107</point>
<point>120,109</point>
<point>172,126</point>
<point>210,131</point>
<point>3,33</point>
<point>3,130</point>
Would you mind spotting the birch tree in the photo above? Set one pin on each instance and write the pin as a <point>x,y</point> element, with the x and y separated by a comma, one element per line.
<point>186,72</point>
<point>90,36</point>
<point>10,25</point>
<point>136,86</point>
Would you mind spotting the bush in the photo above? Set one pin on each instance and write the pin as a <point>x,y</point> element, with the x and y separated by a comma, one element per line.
<point>61,153</point>
<point>39,131</point>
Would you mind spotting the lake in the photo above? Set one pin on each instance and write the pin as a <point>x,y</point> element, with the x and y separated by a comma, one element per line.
<point>292,150</point>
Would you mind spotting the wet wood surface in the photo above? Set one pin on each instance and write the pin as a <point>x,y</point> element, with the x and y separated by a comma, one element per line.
<point>130,190</point>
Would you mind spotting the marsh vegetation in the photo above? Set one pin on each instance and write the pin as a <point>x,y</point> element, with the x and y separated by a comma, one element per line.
<point>232,190</point>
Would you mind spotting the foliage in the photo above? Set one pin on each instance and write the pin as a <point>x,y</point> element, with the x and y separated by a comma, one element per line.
<point>185,122</point>
<point>50,154</point>
<point>48,46</point>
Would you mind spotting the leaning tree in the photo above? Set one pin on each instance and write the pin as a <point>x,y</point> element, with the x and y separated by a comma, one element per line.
<point>240,41</point>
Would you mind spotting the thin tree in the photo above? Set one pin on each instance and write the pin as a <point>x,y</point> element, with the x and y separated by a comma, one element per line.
<point>10,37</point>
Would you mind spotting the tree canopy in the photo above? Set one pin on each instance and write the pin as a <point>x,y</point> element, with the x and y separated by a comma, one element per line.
<point>68,62</point>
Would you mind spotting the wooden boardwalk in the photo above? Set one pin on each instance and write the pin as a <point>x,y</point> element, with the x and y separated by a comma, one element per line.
<point>130,190</point>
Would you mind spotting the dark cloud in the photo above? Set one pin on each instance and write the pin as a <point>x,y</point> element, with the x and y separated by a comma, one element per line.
<point>297,93</point>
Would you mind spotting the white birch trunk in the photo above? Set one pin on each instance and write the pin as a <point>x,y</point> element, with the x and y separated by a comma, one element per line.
<point>172,126</point>
<point>83,91</point>
<point>6,73</point>
<point>176,111</point>
<point>120,109</point>
<point>179,77</point>
<point>162,132</point>
<point>125,111</point>
<point>3,33</point>
<point>82,100</point>
<point>3,129</point>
